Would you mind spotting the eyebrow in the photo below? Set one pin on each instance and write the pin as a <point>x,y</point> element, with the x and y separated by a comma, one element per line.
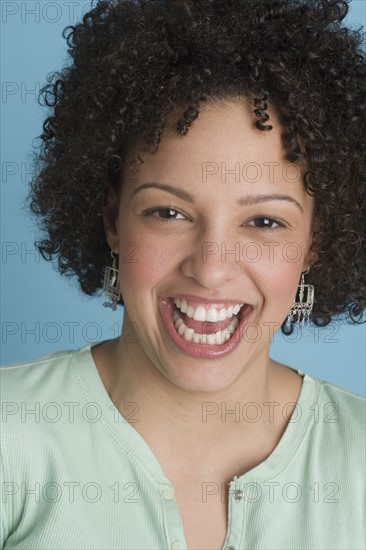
<point>242,201</point>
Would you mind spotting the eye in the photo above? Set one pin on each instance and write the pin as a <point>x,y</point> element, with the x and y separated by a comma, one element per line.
<point>167,213</point>
<point>263,222</point>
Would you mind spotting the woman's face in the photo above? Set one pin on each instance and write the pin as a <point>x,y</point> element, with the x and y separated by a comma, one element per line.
<point>232,226</point>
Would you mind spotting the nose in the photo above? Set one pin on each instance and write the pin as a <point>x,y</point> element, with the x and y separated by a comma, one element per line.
<point>213,261</point>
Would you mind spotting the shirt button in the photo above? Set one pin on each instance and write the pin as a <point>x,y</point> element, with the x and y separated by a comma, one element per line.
<point>167,494</point>
<point>176,545</point>
<point>238,494</point>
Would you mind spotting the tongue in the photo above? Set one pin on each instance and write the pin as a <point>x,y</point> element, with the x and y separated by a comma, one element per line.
<point>204,327</point>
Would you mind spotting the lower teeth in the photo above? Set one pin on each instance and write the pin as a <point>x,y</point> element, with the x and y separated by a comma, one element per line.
<point>218,338</point>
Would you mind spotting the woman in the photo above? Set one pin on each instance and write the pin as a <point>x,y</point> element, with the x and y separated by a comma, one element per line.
<point>203,163</point>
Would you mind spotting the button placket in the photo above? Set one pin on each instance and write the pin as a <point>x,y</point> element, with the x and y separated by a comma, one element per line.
<point>238,495</point>
<point>235,516</point>
<point>167,493</point>
<point>172,519</point>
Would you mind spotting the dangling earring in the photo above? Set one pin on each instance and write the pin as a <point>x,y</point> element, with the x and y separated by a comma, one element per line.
<point>111,285</point>
<point>301,309</point>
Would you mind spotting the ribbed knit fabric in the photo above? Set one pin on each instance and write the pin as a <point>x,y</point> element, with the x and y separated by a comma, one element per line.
<point>77,475</point>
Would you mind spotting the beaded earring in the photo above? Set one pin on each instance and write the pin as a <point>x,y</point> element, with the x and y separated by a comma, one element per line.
<point>111,285</point>
<point>302,307</point>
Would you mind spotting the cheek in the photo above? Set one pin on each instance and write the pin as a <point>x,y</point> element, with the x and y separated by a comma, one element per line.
<point>277,276</point>
<point>282,265</point>
<point>143,263</point>
<point>278,283</point>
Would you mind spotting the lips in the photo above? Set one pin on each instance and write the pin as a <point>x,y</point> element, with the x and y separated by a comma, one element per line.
<point>203,350</point>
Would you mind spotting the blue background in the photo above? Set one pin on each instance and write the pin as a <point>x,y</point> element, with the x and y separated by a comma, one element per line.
<point>43,312</point>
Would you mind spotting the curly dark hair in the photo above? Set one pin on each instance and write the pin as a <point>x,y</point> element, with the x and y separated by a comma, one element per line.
<point>135,62</point>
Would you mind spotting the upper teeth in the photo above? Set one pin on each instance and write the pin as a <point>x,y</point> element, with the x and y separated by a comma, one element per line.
<point>206,313</point>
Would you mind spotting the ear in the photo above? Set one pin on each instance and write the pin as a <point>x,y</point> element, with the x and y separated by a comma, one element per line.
<point>311,255</point>
<point>310,259</point>
<point>110,219</point>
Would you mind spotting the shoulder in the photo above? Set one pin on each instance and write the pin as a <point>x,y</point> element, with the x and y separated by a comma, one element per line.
<point>35,403</point>
<point>50,377</point>
<point>338,421</point>
<point>348,410</point>
<point>350,406</point>
<point>42,361</point>
<point>37,379</point>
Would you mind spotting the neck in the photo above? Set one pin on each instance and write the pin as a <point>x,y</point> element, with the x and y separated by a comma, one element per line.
<point>254,400</point>
<point>240,425</point>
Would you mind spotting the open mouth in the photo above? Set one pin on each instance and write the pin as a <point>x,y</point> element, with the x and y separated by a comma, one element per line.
<point>205,339</point>
<point>210,333</point>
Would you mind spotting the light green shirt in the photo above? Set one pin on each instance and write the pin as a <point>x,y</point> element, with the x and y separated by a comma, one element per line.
<point>77,475</point>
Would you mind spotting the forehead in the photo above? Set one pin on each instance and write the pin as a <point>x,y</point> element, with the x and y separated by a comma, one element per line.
<point>223,140</point>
